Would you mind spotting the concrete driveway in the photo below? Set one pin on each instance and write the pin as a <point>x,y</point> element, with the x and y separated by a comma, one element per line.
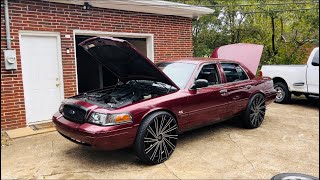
<point>287,141</point>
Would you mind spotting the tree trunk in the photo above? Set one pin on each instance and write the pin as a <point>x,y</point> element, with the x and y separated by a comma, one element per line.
<point>273,36</point>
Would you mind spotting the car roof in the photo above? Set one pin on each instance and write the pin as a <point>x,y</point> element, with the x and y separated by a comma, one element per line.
<point>197,60</point>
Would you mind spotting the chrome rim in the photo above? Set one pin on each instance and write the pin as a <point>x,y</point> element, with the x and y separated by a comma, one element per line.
<point>257,111</point>
<point>280,93</point>
<point>295,177</point>
<point>161,138</point>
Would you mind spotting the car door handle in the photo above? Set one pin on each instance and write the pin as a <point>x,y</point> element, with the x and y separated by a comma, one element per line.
<point>223,91</point>
<point>248,87</point>
<point>236,98</point>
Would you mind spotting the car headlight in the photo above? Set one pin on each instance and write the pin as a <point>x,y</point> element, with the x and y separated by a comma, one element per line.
<point>110,119</point>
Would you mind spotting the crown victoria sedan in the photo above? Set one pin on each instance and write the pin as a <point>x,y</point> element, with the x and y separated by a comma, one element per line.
<point>153,103</point>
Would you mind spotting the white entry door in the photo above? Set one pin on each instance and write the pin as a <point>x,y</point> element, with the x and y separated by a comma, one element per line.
<point>41,73</point>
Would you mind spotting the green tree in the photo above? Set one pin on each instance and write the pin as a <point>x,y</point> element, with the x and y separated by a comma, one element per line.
<point>287,29</point>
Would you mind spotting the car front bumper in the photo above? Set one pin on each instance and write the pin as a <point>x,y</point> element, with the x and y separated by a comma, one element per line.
<point>97,137</point>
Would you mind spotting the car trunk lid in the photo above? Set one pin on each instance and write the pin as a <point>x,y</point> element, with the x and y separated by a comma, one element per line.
<point>123,60</point>
<point>247,54</point>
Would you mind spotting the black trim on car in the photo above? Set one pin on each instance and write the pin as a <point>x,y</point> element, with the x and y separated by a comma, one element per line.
<point>74,141</point>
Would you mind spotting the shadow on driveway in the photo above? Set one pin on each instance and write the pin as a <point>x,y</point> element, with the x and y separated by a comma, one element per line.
<point>314,104</point>
<point>127,156</point>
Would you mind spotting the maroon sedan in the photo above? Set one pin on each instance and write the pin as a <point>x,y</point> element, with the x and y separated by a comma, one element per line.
<point>151,104</point>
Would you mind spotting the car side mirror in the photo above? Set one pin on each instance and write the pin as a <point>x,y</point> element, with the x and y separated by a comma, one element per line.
<point>315,64</point>
<point>200,83</point>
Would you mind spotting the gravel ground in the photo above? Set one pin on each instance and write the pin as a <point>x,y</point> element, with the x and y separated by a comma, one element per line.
<point>287,141</point>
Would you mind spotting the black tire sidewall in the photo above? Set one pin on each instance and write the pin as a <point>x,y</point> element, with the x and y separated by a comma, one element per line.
<point>139,146</point>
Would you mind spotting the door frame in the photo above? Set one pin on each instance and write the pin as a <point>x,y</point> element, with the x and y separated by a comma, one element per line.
<point>149,41</point>
<point>59,56</point>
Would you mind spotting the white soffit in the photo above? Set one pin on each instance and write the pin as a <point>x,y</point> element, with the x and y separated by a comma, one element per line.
<point>146,6</point>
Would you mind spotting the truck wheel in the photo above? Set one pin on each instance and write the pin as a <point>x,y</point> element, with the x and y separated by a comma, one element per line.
<point>255,112</point>
<point>283,93</point>
<point>157,138</point>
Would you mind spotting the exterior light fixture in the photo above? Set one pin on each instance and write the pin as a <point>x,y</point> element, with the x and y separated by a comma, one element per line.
<point>86,6</point>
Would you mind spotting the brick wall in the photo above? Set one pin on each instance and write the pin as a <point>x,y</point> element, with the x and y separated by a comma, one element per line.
<point>172,38</point>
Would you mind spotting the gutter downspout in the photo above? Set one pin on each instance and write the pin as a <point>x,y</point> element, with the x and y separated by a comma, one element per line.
<point>7,20</point>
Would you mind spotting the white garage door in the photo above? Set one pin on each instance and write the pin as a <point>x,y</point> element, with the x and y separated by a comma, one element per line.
<point>41,73</point>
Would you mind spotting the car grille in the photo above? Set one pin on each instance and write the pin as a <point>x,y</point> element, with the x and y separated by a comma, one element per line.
<point>73,113</point>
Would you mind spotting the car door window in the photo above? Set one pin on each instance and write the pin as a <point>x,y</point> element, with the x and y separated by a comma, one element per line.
<point>316,57</point>
<point>234,72</point>
<point>210,73</point>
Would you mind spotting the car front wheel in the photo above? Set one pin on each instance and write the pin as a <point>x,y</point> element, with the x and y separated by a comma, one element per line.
<point>157,138</point>
<point>255,112</point>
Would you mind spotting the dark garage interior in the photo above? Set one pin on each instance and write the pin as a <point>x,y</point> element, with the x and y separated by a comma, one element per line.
<point>90,74</point>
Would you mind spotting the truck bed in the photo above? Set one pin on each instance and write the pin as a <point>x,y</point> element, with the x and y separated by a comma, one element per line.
<point>294,75</point>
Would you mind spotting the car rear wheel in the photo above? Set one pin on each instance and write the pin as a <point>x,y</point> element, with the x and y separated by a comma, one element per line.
<point>157,138</point>
<point>255,112</point>
<point>283,93</point>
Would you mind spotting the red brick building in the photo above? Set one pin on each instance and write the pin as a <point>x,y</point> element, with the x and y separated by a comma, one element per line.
<point>50,66</point>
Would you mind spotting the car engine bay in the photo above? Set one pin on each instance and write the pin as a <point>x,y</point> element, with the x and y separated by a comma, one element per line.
<point>125,94</point>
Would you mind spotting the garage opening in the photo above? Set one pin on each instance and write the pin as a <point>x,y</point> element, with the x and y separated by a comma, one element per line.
<point>90,74</point>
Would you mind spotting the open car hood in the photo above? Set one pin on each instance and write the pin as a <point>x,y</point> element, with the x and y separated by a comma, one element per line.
<point>247,54</point>
<point>124,60</point>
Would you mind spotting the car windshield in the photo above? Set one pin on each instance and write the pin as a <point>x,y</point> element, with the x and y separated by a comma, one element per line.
<point>178,72</point>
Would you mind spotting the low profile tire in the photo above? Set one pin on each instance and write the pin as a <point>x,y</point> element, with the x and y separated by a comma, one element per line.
<point>156,138</point>
<point>291,176</point>
<point>283,93</point>
<point>255,112</point>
